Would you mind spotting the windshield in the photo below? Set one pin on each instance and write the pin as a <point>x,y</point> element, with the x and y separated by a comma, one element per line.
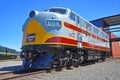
<point>56,10</point>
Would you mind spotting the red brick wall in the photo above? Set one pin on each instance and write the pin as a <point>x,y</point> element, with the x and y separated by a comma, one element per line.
<point>115,48</point>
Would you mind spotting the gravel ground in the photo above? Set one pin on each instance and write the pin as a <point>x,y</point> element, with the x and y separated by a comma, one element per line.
<point>9,65</point>
<point>109,70</point>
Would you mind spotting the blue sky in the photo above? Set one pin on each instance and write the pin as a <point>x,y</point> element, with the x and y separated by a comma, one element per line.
<point>13,14</point>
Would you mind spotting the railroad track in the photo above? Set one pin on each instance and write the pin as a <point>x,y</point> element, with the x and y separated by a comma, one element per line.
<point>19,74</point>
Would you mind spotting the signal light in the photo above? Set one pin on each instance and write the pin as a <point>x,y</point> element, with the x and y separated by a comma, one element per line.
<point>33,13</point>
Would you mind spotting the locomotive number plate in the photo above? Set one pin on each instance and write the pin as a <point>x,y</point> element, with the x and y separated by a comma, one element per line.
<point>30,38</point>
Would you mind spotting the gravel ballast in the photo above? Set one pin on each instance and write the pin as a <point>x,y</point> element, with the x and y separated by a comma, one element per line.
<point>109,70</point>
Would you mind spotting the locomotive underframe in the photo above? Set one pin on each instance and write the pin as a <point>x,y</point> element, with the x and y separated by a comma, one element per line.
<point>59,55</point>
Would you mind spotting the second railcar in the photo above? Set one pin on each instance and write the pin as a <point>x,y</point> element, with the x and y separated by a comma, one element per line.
<point>7,53</point>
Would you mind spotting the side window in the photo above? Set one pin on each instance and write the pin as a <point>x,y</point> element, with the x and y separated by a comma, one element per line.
<point>84,24</point>
<point>100,34</point>
<point>105,35</point>
<point>77,19</point>
<point>72,16</point>
<point>88,27</point>
<point>96,31</point>
<point>80,22</point>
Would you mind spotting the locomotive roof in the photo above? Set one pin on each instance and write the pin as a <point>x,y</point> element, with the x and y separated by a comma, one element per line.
<point>69,10</point>
<point>59,8</point>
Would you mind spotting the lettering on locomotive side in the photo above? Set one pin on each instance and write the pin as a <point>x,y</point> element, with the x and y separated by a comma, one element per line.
<point>31,37</point>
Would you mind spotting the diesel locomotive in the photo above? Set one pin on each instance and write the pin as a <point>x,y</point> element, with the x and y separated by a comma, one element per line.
<point>60,37</point>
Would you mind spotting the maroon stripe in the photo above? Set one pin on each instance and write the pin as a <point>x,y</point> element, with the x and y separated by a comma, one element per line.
<point>74,42</point>
<point>73,27</point>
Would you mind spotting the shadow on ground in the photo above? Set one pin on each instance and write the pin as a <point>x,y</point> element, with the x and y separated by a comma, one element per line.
<point>11,68</point>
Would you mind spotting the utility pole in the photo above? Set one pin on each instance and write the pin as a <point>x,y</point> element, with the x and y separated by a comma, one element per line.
<point>6,52</point>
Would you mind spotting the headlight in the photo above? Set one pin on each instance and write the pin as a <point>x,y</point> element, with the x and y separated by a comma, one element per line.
<point>53,23</point>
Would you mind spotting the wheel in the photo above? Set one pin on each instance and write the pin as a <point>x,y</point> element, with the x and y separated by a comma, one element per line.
<point>58,67</point>
<point>69,64</point>
<point>76,63</point>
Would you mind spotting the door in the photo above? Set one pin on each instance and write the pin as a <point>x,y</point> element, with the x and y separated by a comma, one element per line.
<point>79,37</point>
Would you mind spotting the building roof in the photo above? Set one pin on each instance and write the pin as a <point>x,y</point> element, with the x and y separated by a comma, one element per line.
<point>110,20</point>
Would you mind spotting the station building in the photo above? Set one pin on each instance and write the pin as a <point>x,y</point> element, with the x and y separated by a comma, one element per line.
<point>105,25</point>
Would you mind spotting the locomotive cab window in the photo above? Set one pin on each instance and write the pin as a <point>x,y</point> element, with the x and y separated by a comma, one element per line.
<point>56,10</point>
